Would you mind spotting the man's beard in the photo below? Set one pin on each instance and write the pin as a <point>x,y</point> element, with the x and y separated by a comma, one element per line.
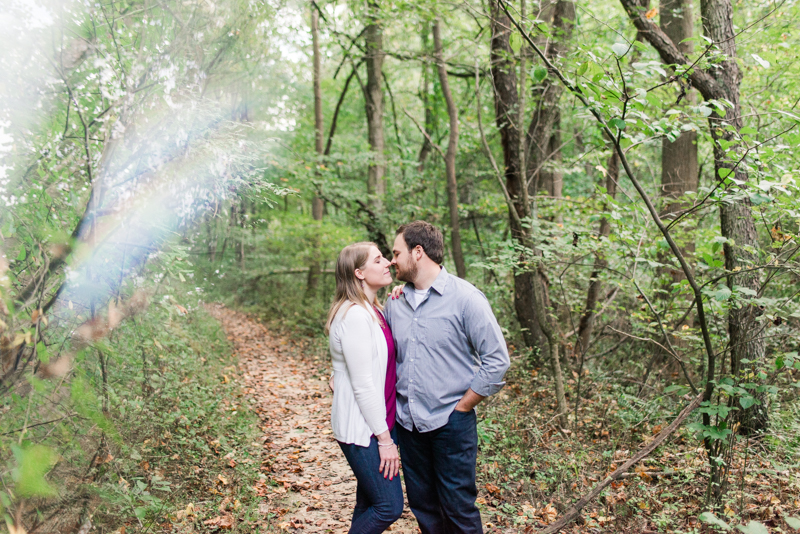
<point>407,275</point>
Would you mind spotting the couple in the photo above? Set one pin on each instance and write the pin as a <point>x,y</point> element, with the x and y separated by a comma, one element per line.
<point>411,374</point>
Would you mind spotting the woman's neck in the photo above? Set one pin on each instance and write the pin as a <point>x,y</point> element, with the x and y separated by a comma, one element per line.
<point>371,293</point>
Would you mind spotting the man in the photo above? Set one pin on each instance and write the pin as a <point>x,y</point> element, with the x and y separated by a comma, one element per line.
<point>450,356</point>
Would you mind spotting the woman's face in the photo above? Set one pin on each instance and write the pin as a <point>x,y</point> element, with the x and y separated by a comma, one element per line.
<point>375,273</point>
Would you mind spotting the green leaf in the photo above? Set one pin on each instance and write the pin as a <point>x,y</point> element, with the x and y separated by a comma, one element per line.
<point>724,172</point>
<point>753,527</point>
<point>539,73</point>
<point>747,402</point>
<point>793,522</point>
<point>582,68</point>
<point>758,198</point>
<point>617,123</point>
<point>620,49</point>
<point>722,293</point>
<point>22,254</point>
<point>711,519</point>
<point>41,353</point>
<point>515,41</point>
<point>33,463</point>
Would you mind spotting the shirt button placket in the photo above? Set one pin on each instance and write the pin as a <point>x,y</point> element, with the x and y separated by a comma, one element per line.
<point>414,347</point>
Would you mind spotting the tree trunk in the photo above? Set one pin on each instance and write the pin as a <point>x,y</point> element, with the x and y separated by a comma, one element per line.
<point>546,95</point>
<point>376,185</point>
<point>546,324</point>
<point>317,204</point>
<point>450,155</point>
<point>586,324</point>
<point>426,147</point>
<point>679,157</point>
<point>506,102</point>
<point>736,220</point>
<point>238,218</point>
<point>747,340</point>
<point>551,175</point>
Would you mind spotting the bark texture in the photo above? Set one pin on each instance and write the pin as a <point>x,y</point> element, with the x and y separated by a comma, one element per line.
<point>544,142</point>
<point>426,147</point>
<point>376,185</point>
<point>506,103</point>
<point>450,155</point>
<point>317,204</point>
<point>678,157</point>
<point>747,340</point>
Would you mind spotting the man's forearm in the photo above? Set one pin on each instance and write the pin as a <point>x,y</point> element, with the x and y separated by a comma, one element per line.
<point>469,401</point>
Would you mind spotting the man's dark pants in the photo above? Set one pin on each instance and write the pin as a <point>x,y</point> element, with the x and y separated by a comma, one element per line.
<point>439,472</point>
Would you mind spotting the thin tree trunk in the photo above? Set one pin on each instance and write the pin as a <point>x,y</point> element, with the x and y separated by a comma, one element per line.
<point>376,185</point>
<point>426,148</point>
<point>450,155</point>
<point>546,324</point>
<point>317,204</point>
<point>211,237</point>
<point>506,102</point>
<point>546,96</point>
<point>586,324</point>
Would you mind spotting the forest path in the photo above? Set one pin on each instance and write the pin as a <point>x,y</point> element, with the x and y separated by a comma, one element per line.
<point>316,491</point>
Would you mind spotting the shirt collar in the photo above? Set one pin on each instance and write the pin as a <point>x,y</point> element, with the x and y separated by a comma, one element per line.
<point>439,284</point>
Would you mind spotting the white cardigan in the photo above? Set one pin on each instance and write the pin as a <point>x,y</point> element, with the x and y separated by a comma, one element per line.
<point>359,354</point>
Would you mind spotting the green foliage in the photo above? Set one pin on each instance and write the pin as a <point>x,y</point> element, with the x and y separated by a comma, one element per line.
<point>33,464</point>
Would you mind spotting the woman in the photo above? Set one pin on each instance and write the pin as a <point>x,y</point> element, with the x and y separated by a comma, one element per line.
<point>364,377</point>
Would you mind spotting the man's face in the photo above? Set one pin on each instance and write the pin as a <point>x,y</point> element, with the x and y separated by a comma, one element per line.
<point>405,265</point>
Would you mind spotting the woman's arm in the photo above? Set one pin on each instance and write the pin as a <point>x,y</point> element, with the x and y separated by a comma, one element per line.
<point>358,349</point>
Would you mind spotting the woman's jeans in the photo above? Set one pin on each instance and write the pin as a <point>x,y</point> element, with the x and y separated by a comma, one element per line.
<point>379,501</point>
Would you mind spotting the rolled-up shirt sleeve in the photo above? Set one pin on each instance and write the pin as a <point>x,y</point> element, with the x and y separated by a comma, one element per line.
<point>487,341</point>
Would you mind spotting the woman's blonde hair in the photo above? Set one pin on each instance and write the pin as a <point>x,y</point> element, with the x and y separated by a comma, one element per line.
<point>348,287</point>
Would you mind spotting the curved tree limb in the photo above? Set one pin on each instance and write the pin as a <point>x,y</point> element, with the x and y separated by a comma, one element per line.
<point>576,508</point>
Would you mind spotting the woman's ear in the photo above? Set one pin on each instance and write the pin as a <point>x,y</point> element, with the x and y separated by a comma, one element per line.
<point>359,274</point>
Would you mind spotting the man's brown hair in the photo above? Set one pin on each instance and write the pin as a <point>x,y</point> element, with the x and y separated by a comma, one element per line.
<point>425,235</point>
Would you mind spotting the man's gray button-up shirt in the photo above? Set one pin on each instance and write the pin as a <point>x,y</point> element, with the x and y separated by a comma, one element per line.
<point>450,343</point>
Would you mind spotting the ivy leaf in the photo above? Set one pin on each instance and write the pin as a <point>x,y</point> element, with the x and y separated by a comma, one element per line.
<point>539,74</point>
<point>711,519</point>
<point>620,49</point>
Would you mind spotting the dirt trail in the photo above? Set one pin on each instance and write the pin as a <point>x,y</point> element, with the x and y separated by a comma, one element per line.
<point>316,491</point>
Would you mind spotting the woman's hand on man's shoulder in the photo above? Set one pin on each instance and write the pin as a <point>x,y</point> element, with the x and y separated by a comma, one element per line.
<point>396,292</point>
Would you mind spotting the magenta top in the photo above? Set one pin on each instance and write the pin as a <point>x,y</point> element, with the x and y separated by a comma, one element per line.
<point>390,389</point>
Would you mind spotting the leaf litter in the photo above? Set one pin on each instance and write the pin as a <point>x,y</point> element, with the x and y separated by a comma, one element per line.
<point>307,484</point>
